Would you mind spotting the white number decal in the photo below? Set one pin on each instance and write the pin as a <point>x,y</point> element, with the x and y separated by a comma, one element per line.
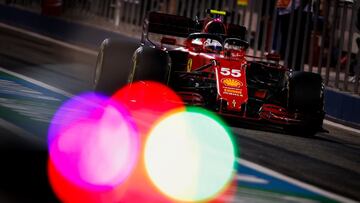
<point>225,71</point>
<point>234,72</point>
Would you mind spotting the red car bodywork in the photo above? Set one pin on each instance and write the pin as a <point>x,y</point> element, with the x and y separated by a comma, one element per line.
<point>230,74</point>
<point>227,67</point>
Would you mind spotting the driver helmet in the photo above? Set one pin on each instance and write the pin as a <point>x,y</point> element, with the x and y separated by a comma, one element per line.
<point>212,45</point>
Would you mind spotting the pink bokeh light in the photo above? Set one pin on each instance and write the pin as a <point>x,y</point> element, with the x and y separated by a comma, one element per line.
<point>97,148</point>
<point>77,108</point>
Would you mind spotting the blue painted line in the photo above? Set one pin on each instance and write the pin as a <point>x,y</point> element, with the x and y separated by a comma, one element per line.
<point>276,186</point>
<point>273,184</point>
<point>28,105</point>
<point>32,86</point>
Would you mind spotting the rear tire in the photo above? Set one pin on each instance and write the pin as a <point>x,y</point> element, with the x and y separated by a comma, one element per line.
<point>150,64</point>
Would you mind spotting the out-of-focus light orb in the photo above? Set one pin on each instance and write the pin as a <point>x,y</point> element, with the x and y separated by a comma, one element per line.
<point>96,150</point>
<point>77,108</point>
<point>189,155</point>
<point>147,101</point>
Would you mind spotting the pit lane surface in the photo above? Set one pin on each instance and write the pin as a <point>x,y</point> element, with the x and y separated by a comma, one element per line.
<point>329,161</point>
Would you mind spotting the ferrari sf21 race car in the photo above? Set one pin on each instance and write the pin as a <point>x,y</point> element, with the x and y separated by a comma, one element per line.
<point>205,62</point>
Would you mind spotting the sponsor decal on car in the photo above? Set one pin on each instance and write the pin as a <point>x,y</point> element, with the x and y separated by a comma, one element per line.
<point>231,82</point>
<point>233,92</point>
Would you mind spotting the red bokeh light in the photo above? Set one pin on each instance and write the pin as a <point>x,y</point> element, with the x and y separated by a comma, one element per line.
<point>147,102</point>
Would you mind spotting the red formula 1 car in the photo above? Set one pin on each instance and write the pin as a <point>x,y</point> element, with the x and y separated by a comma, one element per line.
<point>205,62</point>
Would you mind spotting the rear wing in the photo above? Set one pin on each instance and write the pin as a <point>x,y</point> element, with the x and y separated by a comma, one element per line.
<point>180,26</point>
<point>167,24</point>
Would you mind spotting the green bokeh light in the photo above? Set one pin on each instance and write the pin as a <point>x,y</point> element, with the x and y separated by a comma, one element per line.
<point>189,155</point>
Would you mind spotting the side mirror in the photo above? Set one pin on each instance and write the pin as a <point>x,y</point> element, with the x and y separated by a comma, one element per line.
<point>195,45</point>
<point>235,42</point>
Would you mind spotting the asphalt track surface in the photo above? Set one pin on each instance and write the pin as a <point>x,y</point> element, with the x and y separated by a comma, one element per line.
<point>328,160</point>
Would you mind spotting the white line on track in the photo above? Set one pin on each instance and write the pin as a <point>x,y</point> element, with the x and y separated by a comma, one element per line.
<point>60,43</point>
<point>36,82</point>
<point>343,127</point>
<point>251,179</point>
<point>293,181</point>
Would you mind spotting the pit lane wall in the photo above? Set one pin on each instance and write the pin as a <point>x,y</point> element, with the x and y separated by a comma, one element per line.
<point>341,107</point>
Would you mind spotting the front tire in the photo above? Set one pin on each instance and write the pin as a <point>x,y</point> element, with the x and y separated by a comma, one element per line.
<point>113,65</point>
<point>306,98</point>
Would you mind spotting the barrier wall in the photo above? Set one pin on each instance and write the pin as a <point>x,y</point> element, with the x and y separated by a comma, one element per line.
<point>83,35</point>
